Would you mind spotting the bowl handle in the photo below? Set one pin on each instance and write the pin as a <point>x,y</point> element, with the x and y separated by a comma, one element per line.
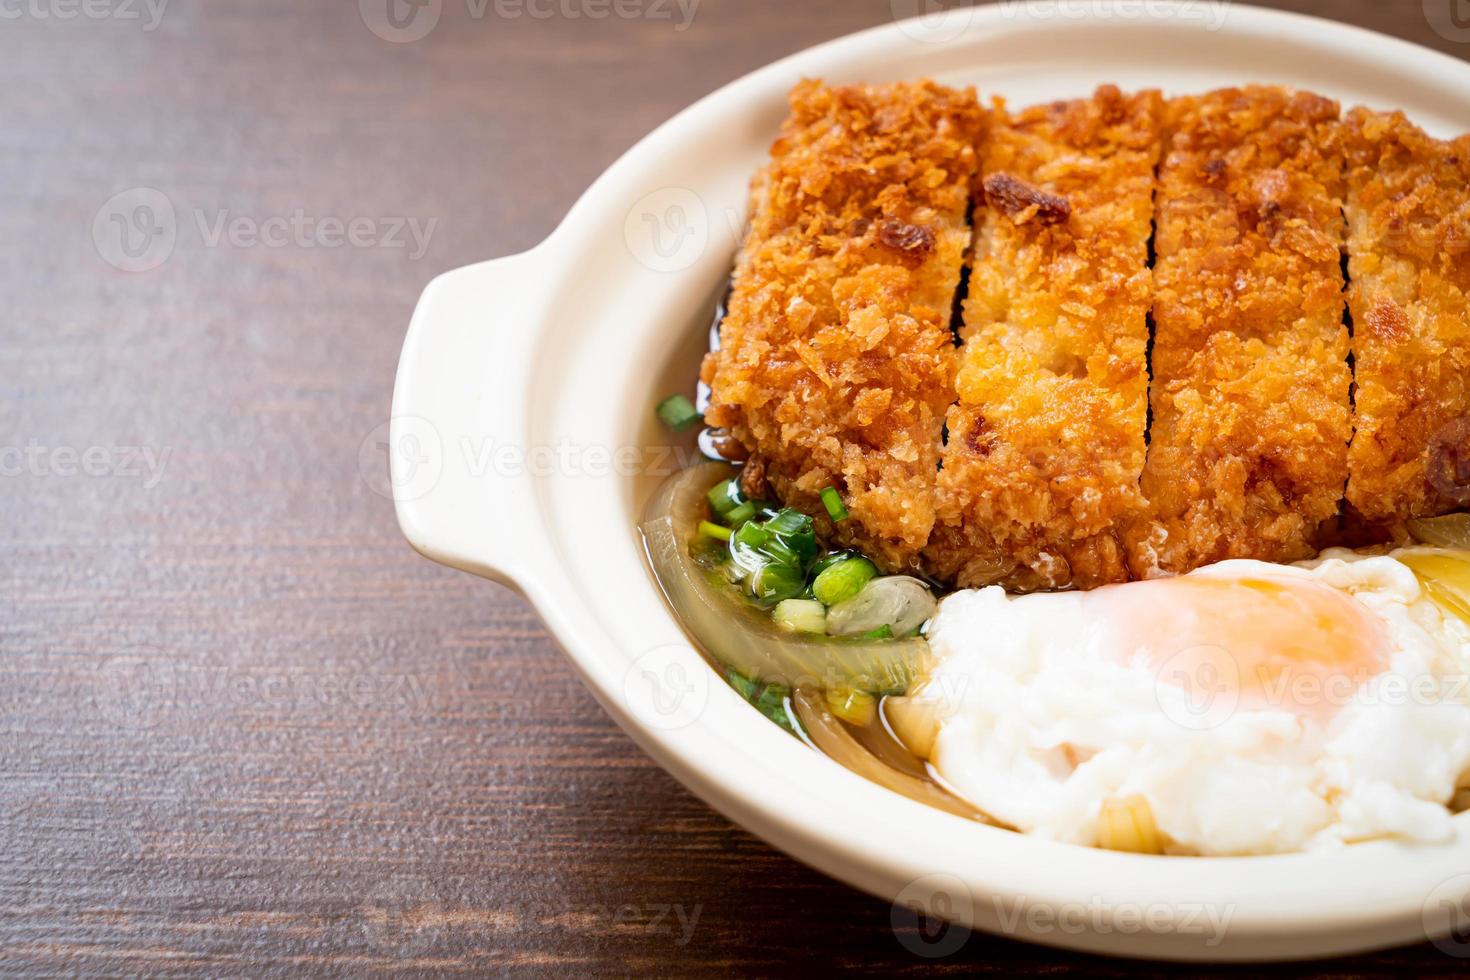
<point>460,412</point>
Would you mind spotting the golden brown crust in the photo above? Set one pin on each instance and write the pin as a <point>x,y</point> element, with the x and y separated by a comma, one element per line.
<point>836,359</point>
<point>837,367</point>
<point>1248,452</point>
<point>1046,442</point>
<point>1408,209</point>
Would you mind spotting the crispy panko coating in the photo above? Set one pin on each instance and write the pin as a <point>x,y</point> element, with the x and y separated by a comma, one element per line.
<point>1046,442</point>
<point>1408,209</point>
<point>1250,395</point>
<point>836,360</point>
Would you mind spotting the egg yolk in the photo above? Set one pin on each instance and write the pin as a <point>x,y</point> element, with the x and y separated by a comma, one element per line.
<point>1271,642</point>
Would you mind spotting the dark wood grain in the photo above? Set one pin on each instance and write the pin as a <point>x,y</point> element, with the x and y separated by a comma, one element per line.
<point>243,729</point>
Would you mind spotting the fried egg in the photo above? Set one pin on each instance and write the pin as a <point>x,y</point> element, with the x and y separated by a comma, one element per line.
<point>1256,708</point>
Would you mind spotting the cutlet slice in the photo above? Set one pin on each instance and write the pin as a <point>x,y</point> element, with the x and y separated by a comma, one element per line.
<point>1408,210</point>
<point>1250,394</point>
<point>1046,442</point>
<point>836,360</point>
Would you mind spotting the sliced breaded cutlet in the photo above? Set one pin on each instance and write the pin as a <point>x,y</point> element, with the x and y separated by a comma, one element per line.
<point>1408,209</point>
<point>835,365</point>
<point>1250,394</point>
<point>1046,442</point>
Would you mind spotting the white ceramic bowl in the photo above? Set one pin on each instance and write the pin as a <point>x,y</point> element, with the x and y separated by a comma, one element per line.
<point>524,446</point>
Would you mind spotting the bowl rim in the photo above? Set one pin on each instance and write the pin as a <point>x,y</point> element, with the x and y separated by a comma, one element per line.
<point>1280,906</point>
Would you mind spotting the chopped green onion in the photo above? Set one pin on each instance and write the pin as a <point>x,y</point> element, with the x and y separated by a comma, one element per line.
<point>832,500</point>
<point>713,530</point>
<point>789,521</point>
<point>772,583</point>
<point>796,532</point>
<point>781,554</point>
<point>741,514</point>
<point>833,557</point>
<point>842,580</point>
<point>678,413</point>
<point>752,535</point>
<point>884,632</point>
<point>801,615</point>
<point>768,699</point>
<point>756,544</point>
<point>724,497</point>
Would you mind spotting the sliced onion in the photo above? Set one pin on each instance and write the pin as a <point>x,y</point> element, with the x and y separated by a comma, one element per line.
<point>743,637</point>
<point>1449,531</point>
<point>897,601</point>
<point>1127,824</point>
<point>1445,576</point>
<point>828,735</point>
<point>914,722</point>
<point>887,749</point>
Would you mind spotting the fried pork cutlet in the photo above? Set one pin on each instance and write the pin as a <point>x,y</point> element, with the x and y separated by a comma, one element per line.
<point>1046,442</point>
<point>1408,209</point>
<point>835,365</point>
<point>1250,395</point>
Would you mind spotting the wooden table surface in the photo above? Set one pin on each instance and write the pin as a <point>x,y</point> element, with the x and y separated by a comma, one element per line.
<point>245,729</point>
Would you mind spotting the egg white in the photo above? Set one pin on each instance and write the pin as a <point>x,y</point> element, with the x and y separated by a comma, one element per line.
<point>1042,721</point>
